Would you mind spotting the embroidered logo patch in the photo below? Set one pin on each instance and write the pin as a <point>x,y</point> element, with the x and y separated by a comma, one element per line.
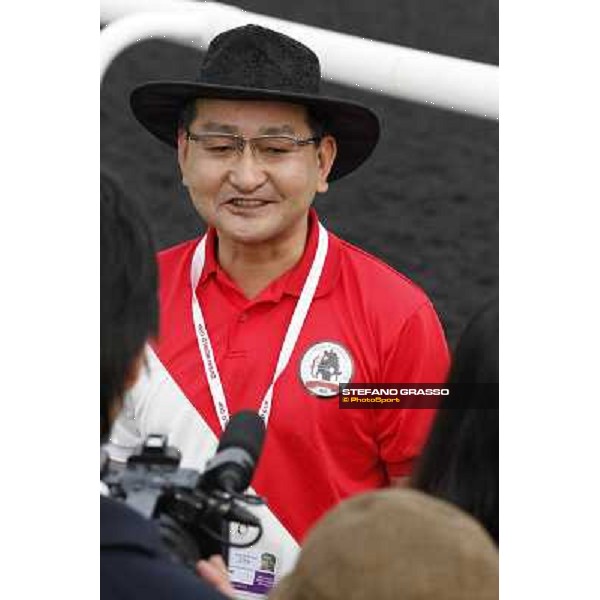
<point>324,367</point>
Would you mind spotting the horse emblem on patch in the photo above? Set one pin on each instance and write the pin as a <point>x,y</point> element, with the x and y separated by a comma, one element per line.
<point>324,367</point>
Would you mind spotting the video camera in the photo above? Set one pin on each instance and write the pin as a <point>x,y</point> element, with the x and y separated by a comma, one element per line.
<point>193,510</point>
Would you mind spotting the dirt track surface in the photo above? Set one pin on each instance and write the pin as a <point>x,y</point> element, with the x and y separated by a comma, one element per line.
<point>427,200</point>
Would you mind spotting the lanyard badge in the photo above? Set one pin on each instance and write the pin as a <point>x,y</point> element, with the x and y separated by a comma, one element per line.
<point>289,342</point>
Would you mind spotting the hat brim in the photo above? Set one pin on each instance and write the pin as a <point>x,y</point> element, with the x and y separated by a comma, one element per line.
<point>157,106</point>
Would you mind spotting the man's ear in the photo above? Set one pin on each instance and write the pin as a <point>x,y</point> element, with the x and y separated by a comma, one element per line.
<point>326,153</point>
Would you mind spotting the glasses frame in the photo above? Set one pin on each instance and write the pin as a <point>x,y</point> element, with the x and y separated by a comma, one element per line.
<point>241,141</point>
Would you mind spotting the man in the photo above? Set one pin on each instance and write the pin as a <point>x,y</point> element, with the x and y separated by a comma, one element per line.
<point>268,311</point>
<point>133,561</point>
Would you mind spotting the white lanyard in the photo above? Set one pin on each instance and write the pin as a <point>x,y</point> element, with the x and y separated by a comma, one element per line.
<point>291,336</point>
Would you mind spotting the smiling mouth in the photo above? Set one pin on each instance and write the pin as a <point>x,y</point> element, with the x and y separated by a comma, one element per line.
<point>247,202</point>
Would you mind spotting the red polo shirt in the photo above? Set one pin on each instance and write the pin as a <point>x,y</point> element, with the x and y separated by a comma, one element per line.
<point>383,328</point>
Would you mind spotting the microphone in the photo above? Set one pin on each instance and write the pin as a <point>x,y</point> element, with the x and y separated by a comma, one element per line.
<point>232,467</point>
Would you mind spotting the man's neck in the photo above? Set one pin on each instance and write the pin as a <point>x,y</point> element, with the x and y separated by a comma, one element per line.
<point>254,266</point>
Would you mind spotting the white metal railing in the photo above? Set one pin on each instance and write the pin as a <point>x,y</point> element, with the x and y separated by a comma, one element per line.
<point>445,82</point>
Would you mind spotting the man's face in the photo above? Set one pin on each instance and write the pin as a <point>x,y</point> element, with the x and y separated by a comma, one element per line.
<point>247,198</point>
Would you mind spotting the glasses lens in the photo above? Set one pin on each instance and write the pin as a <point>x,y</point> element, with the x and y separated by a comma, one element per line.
<point>272,147</point>
<point>219,145</point>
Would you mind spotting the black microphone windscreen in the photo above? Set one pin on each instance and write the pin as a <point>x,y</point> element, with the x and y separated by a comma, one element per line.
<point>245,430</point>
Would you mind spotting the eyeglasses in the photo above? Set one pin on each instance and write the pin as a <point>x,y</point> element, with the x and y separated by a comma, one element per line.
<point>265,148</point>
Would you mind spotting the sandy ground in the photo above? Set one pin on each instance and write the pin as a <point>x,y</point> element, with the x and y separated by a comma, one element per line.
<point>427,200</point>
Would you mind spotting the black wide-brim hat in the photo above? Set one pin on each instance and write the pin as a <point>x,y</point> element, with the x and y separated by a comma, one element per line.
<point>254,63</point>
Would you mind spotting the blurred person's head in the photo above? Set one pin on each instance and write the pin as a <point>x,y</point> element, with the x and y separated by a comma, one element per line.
<point>128,296</point>
<point>394,544</point>
<point>459,462</point>
<point>475,359</point>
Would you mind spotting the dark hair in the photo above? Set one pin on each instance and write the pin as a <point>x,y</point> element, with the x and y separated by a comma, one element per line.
<point>315,121</point>
<point>128,292</point>
<point>460,459</point>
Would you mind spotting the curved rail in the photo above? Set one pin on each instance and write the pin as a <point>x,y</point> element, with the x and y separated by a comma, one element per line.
<point>442,81</point>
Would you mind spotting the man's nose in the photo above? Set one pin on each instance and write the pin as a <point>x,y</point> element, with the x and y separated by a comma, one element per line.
<point>246,173</point>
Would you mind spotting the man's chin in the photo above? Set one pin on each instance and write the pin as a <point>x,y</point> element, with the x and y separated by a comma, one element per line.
<point>250,238</point>
<point>249,231</point>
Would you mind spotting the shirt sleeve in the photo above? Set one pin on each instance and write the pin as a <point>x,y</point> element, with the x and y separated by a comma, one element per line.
<point>418,353</point>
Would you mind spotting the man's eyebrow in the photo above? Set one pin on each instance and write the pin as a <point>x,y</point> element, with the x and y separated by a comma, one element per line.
<point>213,126</point>
<point>277,130</point>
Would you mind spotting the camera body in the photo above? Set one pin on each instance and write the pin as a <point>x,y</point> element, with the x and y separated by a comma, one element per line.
<point>193,514</point>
